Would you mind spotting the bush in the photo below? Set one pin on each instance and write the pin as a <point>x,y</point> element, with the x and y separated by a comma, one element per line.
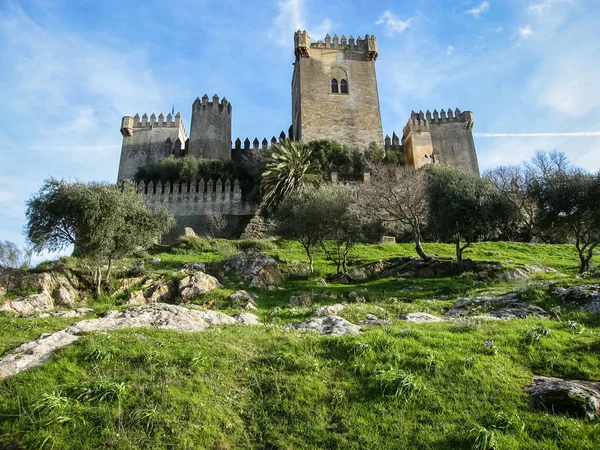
<point>198,244</point>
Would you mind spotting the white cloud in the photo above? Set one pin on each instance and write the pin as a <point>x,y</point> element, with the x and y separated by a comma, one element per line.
<point>449,50</point>
<point>525,32</point>
<point>392,24</point>
<point>290,18</point>
<point>539,8</point>
<point>478,10</point>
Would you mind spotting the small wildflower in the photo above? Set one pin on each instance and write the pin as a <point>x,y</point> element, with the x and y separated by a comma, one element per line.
<point>143,338</point>
<point>363,345</point>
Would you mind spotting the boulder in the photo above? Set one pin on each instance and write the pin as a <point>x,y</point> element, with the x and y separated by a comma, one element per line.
<point>240,299</point>
<point>573,397</point>
<point>250,307</point>
<point>321,283</point>
<point>189,232</point>
<point>136,298</point>
<point>25,306</point>
<point>303,301</point>
<point>373,320</point>
<point>196,284</point>
<point>79,312</point>
<point>420,317</point>
<point>65,297</point>
<point>62,285</point>
<point>329,310</point>
<point>506,307</point>
<point>154,261</point>
<point>586,297</point>
<point>259,268</point>
<point>333,325</point>
<point>246,318</point>
<point>161,292</point>
<point>513,275</point>
<point>195,266</point>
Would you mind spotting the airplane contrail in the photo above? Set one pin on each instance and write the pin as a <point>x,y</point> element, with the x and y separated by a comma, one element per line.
<point>576,134</point>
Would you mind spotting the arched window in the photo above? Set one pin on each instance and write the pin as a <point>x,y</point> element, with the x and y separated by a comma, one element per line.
<point>334,86</point>
<point>344,87</point>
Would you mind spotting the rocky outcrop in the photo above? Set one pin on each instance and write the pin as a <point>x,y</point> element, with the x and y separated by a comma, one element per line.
<point>333,325</point>
<point>573,397</point>
<point>240,299</point>
<point>259,268</point>
<point>420,317</point>
<point>26,306</point>
<point>245,318</point>
<point>159,315</point>
<point>195,266</point>
<point>507,307</point>
<point>372,319</point>
<point>196,284</point>
<point>329,310</point>
<point>62,285</point>
<point>586,297</point>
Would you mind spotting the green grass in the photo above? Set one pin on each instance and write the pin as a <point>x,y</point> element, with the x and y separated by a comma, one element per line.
<point>428,386</point>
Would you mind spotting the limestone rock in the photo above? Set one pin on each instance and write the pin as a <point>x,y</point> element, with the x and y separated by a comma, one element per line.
<point>195,266</point>
<point>304,300</point>
<point>159,315</point>
<point>250,307</point>
<point>61,285</point>
<point>506,307</point>
<point>79,312</point>
<point>240,299</point>
<point>586,297</point>
<point>161,291</point>
<point>246,318</point>
<point>374,320</point>
<point>154,261</point>
<point>573,397</point>
<point>258,267</point>
<point>321,283</point>
<point>189,232</point>
<point>196,284</point>
<point>329,310</point>
<point>333,325</point>
<point>420,317</point>
<point>515,275</point>
<point>31,304</point>
<point>65,297</point>
<point>136,298</point>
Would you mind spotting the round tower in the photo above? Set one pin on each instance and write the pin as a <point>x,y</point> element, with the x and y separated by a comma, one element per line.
<point>210,132</point>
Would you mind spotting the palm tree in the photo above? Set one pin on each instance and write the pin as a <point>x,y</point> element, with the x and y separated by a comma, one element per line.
<point>288,169</point>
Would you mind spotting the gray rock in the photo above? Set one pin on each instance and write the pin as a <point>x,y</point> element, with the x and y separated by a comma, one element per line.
<point>258,267</point>
<point>79,312</point>
<point>65,297</point>
<point>573,397</point>
<point>506,307</point>
<point>29,305</point>
<point>250,307</point>
<point>420,317</point>
<point>195,266</point>
<point>154,261</point>
<point>586,297</point>
<point>161,291</point>
<point>240,299</point>
<point>189,232</point>
<point>329,310</point>
<point>159,315</point>
<point>513,275</point>
<point>196,284</point>
<point>321,283</point>
<point>304,300</point>
<point>246,318</point>
<point>374,320</point>
<point>333,325</point>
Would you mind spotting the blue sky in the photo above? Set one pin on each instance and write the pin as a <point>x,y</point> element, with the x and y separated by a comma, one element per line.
<point>70,70</point>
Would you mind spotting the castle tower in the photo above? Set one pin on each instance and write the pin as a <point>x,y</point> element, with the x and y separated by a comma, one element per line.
<point>334,90</point>
<point>147,140</point>
<point>445,138</point>
<point>210,132</point>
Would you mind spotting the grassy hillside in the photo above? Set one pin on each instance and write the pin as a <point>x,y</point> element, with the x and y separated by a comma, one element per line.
<point>450,385</point>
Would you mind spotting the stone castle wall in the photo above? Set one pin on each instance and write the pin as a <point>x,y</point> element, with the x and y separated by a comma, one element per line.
<point>351,118</point>
<point>148,140</point>
<point>210,131</point>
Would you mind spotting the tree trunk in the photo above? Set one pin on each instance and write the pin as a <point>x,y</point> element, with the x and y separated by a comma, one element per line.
<point>585,258</point>
<point>110,261</point>
<point>310,263</point>
<point>345,260</point>
<point>459,261</point>
<point>99,282</point>
<point>418,246</point>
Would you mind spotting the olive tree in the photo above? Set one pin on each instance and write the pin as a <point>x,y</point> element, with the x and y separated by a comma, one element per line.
<point>463,207</point>
<point>397,194</point>
<point>104,222</point>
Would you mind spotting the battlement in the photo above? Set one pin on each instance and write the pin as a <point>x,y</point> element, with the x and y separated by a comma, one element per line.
<point>129,124</point>
<point>422,121</point>
<point>303,44</point>
<point>200,104</point>
<point>243,148</point>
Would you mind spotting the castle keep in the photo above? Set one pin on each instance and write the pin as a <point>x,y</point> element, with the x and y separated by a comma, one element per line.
<point>334,96</point>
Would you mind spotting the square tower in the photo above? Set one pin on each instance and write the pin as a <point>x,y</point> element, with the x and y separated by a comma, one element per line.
<point>334,91</point>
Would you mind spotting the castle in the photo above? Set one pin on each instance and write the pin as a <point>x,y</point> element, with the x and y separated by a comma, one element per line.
<point>334,96</point>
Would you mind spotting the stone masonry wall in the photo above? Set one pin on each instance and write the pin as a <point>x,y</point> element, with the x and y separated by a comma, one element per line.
<point>210,131</point>
<point>145,142</point>
<point>354,118</point>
